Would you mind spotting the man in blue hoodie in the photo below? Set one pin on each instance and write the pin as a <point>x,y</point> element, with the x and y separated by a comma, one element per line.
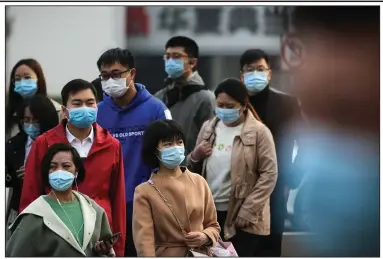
<point>127,109</point>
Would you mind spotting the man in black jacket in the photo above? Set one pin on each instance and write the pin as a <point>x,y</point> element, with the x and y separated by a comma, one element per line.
<point>278,111</point>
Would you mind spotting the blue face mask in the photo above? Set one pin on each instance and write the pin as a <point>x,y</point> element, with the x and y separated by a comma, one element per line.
<point>172,157</point>
<point>227,115</point>
<point>61,180</point>
<point>32,129</point>
<point>26,87</point>
<point>174,67</point>
<point>255,81</point>
<point>82,117</point>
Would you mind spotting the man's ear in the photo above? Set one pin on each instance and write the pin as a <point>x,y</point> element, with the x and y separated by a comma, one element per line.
<point>193,62</point>
<point>241,76</point>
<point>65,112</point>
<point>133,73</point>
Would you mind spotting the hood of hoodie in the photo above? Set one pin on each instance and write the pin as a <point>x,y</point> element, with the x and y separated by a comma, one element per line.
<point>179,90</point>
<point>194,79</point>
<point>141,96</point>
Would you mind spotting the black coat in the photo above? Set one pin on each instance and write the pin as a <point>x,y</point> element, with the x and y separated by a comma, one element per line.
<point>14,159</point>
<point>280,112</point>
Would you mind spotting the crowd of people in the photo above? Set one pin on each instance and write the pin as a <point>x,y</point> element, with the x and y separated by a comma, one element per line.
<point>136,174</point>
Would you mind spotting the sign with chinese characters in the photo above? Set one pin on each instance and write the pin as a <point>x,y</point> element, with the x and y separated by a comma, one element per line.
<point>224,30</point>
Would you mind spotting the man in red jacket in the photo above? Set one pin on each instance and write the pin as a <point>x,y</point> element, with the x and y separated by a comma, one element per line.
<point>101,153</point>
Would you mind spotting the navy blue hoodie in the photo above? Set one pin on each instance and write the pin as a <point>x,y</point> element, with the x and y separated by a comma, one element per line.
<point>128,125</point>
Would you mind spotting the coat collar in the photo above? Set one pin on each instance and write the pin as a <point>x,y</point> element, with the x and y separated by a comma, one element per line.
<point>58,135</point>
<point>248,133</point>
<point>41,208</point>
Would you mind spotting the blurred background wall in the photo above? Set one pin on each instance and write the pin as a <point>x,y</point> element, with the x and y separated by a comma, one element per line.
<point>67,40</point>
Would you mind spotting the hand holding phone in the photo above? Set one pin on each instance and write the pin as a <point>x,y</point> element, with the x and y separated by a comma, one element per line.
<point>104,245</point>
<point>112,240</point>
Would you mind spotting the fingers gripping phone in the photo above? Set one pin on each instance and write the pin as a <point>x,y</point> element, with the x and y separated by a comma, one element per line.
<point>112,240</point>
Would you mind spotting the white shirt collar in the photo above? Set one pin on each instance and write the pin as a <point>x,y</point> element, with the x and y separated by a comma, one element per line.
<point>29,141</point>
<point>71,138</point>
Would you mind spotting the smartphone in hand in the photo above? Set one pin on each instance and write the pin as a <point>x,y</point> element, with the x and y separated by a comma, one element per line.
<point>112,240</point>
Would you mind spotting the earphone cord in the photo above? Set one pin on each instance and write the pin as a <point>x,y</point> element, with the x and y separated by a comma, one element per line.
<point>70,221</point>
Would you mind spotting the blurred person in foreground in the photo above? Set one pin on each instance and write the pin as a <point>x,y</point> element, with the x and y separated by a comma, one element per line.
<point>185,94</point>
<point>235,152</point>
<point>100,152</point>
<point>27,79</point>
<point>127,109</point>
<point>63,223</point>
<point>338,87</point>
<point>156,230</point>
<point>36,116</point>
<point>278,111</point>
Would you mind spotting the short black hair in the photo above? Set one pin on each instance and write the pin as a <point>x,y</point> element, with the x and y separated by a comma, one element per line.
<point>336,19</point>
<point>75,86</point>
<point>116,55</point>
<point>100,93</point>
<point>251,56</point>
<point>160,130</point>
<point>42,109</point>
<point>51,152</point>
<point>190,46</point>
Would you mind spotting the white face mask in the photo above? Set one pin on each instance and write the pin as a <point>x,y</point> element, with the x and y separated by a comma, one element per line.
<point>115,87</point>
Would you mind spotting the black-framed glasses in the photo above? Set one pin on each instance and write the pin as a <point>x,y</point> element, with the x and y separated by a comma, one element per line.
<point>174,56</point>
<point>114,75</point>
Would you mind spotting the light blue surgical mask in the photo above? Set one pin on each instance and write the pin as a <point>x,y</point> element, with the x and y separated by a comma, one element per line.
<point>26,87</point>
<point>82,117</point>
<point>32,129</point>
<point>61,180</point>
<point>255,81</point>
<point>227,115</point>
<point>172,157</point>
<point>174,67</point>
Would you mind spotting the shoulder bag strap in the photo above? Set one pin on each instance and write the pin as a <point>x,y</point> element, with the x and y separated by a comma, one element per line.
<point>167,204</point>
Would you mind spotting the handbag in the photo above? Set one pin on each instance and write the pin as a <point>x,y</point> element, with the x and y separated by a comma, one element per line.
<point>221,249</point>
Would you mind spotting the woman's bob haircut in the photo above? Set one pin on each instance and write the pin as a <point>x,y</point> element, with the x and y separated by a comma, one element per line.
<point>51,152</point>
<point>161,130</point>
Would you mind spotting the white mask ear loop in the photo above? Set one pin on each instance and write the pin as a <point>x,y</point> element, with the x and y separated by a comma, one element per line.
<point>131,80</point>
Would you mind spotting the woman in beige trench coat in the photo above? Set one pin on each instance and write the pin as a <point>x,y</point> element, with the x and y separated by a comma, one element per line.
<point>156,231</point>
<point>235,152</point>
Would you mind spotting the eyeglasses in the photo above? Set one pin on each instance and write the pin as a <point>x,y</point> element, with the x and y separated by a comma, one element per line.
<point>114,75</point>
<point>174,56</point>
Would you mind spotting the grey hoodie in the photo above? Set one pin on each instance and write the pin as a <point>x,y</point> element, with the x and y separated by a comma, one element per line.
<point>190,103</point>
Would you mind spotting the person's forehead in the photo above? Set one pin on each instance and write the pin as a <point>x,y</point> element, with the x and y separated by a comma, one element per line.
<point>224,97</point>
<point>24,69</point>
<point>82,95</point>
<point>62,157</point>
<point>113,67</point>
<point>173,50</point>
<point>27,112</point>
